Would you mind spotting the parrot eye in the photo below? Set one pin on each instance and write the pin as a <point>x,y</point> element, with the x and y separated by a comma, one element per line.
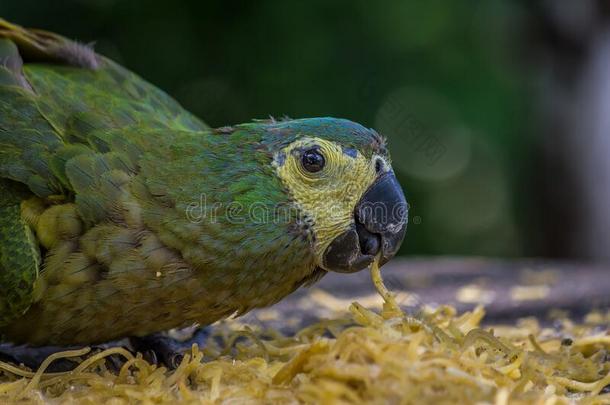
<point>313,160</point>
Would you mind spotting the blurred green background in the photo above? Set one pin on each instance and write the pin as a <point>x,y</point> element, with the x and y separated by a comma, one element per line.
<point>452,84</point>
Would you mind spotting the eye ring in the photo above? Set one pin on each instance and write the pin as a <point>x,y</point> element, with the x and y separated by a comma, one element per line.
<point>313,160</point>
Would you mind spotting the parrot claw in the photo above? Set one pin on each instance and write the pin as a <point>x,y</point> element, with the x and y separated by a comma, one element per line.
<point>158,349</point>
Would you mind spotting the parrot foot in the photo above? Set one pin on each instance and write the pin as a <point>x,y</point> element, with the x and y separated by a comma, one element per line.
<point>159,348</point>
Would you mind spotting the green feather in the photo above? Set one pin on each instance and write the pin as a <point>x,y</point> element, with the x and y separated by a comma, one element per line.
<point>19,255</point>
<point>152,220</point>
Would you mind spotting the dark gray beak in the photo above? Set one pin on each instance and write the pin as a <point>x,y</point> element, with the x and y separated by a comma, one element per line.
<point>380,226</point>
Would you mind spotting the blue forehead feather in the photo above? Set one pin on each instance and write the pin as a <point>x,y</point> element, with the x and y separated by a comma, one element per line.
<point>349,134</point>
<point>351,152</point>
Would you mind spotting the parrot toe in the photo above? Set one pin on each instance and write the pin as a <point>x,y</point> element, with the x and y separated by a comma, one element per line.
<point>158,349</point>
<point>161,349</point>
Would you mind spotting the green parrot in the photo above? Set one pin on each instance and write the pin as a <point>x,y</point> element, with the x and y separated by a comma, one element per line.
<point>123,215</point>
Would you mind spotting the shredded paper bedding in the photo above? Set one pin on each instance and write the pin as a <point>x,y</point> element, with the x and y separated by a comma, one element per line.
<point>369,356</point>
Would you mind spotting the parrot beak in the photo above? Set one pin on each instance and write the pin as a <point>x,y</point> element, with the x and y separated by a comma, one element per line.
<point>380,225</point>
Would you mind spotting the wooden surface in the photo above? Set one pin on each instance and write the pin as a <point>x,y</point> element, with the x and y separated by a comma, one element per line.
<point>509,289</point>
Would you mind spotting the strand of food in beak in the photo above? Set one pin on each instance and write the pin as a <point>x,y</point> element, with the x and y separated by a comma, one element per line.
<point>391,308</point>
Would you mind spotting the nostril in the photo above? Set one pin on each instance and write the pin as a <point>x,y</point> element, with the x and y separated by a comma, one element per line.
<point>378,166</point>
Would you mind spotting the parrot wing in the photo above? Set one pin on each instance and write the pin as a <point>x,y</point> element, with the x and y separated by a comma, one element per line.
<point>72,127</point>
<point>59,100</point>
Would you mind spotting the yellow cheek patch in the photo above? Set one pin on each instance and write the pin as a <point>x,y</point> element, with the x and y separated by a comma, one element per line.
<point>329,196</point>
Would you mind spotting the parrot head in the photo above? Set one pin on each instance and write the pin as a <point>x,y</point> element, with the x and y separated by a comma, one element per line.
<point>339,174</point>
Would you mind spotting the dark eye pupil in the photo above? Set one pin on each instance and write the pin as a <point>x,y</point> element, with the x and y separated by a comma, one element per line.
<point>313,161</point>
